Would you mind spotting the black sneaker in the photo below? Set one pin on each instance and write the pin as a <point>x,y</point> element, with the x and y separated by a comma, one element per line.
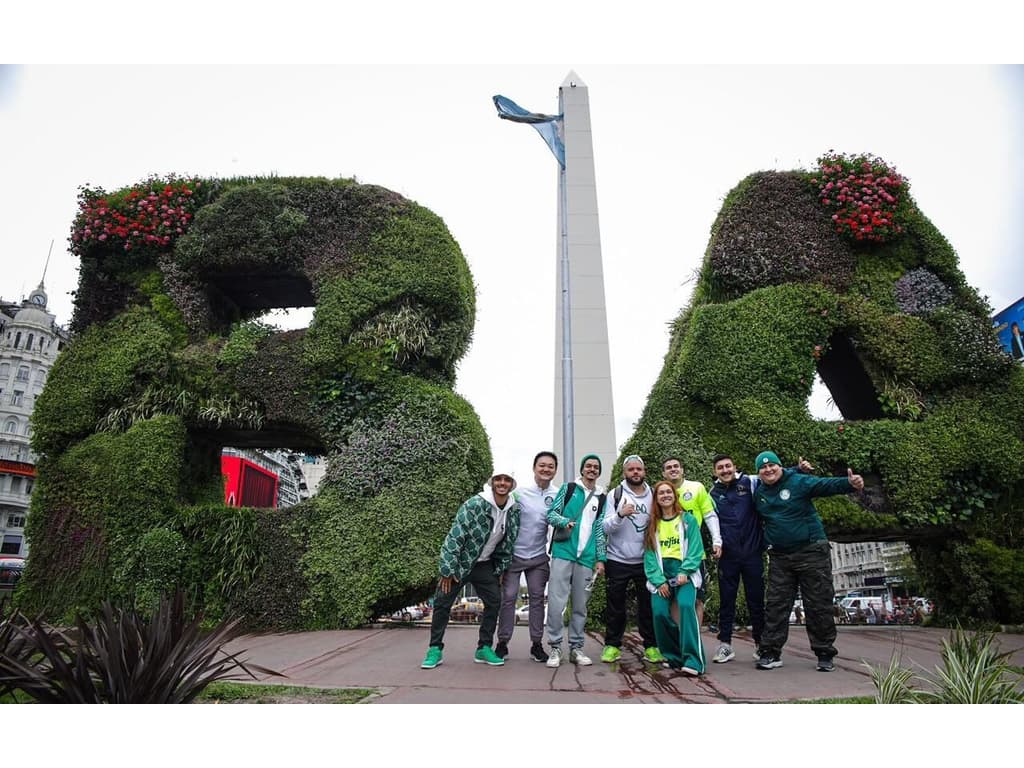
<point>825,665</point>
<point>537,653</point>
<point>768,661</point>
<point>501,649</point>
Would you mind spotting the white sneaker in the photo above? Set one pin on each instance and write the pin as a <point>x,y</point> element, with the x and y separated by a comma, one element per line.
<point>555,657</point>
<point>757,652</point>
<point>724,654</point>
<point>579,658</point>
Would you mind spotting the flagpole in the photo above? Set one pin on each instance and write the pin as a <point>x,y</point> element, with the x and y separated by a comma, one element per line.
<point>551,129</point>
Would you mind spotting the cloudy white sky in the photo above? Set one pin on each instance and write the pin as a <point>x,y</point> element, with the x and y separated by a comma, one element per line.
<point>669,143</point>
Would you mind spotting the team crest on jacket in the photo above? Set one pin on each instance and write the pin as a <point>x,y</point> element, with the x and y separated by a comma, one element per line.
<point>784,494</point>
<point>687,496</point>
<point>548,500</point>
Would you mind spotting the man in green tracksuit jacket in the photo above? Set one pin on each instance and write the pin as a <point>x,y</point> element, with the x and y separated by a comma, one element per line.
<point>477,550</point>
<point>798,556</point>
<point>576,561</point>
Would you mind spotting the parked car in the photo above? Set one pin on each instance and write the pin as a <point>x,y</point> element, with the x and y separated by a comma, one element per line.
<point>467,609</point>
<point>11,568</point>
<point>523,614</point>
<point>409,613</point>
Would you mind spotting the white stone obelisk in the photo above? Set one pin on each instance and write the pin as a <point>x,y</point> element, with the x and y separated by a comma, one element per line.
<point>593,413</point>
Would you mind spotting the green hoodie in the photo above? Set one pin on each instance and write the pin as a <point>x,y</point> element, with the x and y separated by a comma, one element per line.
<point>790,520</point>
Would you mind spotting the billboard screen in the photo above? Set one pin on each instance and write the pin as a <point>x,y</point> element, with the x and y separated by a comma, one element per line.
<point>1009,327</point>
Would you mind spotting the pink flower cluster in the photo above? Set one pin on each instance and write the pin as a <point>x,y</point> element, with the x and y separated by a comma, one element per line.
<point>154,213</point>
<point>865,193</point>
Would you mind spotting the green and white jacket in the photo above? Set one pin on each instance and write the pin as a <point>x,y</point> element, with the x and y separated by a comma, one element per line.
<point>471,530</point>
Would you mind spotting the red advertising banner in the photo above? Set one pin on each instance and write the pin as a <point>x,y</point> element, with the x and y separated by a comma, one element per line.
<point>17,468</point>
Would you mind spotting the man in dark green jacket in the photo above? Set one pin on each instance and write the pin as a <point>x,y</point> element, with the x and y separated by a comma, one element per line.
<point>798,556</point>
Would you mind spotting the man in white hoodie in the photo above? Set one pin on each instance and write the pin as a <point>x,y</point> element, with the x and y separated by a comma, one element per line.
<point>626,515</point>
<point>477,550</point>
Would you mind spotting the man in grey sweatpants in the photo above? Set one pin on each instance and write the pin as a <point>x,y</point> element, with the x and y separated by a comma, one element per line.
<point>530,557</point>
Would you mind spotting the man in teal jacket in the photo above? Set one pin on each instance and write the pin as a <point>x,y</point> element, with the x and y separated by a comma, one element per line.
<point>477,550</point>
<point>798,556</point>
<point>576,561</point>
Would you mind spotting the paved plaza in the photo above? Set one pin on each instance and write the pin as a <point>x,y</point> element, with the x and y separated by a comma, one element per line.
<point>387,657</point>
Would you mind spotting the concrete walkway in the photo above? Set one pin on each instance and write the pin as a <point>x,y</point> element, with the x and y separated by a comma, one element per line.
<point>387,658</point>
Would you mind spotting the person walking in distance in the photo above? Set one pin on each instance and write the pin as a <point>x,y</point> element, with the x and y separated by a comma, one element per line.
<point>477,551</point>
<point>672,555</point>
<point>626,517</point>
<point>575,559</point>
<point>694,498</point>
<point>798,556</point>
<point>530,557</point>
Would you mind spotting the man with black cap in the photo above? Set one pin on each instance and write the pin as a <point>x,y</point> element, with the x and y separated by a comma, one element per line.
<point>798,556</point>
<point>477,551</point>
<point>577,557</point>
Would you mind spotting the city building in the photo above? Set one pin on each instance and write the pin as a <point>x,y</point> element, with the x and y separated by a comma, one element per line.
<point>865,566</point>
<point>257,477</point>
<point>30,341</point>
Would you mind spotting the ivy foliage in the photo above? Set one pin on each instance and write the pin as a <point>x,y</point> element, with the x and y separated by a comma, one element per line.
<point>171,363</point>
<point>780,295</point>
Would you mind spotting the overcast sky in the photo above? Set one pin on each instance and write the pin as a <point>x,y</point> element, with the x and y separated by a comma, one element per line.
<point>669,144</point>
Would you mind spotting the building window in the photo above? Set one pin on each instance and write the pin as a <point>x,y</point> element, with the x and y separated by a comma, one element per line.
<point>11,427</point>
<point>16,485</point>
<point>5,371</point>
<point>17,339</point>
<point>28,344</point>
<point>15,521</point>
<point>28,486</point>
<point>11,545</point>
<point>16,397</point>
<point>22,373</point>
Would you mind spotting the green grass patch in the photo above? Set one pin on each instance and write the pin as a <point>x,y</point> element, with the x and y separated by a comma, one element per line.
<point>238,693</point>
<point>837,700</point>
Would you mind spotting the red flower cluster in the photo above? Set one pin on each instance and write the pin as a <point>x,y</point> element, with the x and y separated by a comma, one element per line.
<point>154,213</point>
<point>866,194</point>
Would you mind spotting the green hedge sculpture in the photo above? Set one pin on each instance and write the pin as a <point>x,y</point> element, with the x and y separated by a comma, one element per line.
<point>169,363</point>
<point>838,272</point>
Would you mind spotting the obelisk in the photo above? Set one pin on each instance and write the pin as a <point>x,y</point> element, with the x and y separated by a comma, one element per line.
<point>594,416</point>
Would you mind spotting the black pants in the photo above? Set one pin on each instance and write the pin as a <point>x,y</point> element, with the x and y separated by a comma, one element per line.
<point>485,581</point>
<point>810,570</point>
<point>619,576</point>
<point>730,571</point>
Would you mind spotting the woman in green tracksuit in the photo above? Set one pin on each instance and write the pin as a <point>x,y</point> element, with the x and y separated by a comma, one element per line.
<point>672,553</point>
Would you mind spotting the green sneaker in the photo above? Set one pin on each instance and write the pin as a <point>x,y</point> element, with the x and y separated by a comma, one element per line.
<point>610,654</point>
<point>654,656</point>
<point>432,659</point>
<point>486,655</point>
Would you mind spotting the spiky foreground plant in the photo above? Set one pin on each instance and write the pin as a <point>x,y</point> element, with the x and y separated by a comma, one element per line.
<point>119,658</point>
<point>973,671</point>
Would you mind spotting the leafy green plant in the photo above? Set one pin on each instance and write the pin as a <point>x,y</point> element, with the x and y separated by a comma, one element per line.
<point>120,658</point>
<point>973,671</point>
<point>892,683</point>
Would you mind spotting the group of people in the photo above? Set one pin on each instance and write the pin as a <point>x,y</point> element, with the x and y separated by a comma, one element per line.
<point>646,540</point>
